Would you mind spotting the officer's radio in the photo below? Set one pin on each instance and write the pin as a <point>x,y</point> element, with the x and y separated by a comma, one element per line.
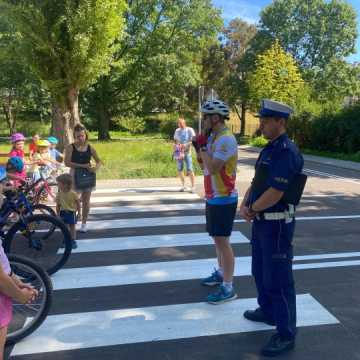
<point>293,193</point>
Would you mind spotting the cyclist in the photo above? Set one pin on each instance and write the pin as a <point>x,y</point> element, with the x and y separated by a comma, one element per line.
<point>15,171</point>
<point>42,158</point>
<point>11,287</point>
<point>217,155</point>
<point>18,143</point>
<point>55,154</point>
<point>32,145</point>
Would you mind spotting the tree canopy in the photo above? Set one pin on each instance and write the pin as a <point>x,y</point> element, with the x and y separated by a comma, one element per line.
<point>68,44</point>
<point>312,31</point>
<point>276,77</point>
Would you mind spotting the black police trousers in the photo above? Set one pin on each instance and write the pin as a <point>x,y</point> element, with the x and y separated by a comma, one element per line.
<point>272,255</point>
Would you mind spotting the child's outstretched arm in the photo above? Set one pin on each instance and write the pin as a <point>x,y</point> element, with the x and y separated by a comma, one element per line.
<point>11,289</point>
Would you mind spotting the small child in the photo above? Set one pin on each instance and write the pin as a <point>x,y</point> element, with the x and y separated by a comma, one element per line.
<point>55,154</point>
<point>68,204</point>
<point>17,150</point>
<point>32,145</point>
<point>11,287</point>
<point>14,168</point>
<point>42,160</point>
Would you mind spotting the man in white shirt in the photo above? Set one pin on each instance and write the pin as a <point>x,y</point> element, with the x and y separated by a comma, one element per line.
<point>183,137</point>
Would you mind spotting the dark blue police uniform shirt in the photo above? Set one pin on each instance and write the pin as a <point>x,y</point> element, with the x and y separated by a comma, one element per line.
<point>284,161</point>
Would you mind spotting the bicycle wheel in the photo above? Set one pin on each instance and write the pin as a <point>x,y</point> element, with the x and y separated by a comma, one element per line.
<point>42,238</point>
<point>28,317</point>
<point>45,210</point>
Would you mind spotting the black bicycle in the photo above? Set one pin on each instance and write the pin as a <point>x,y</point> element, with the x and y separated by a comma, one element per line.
<point>28,317</point>
<point>40,237</point>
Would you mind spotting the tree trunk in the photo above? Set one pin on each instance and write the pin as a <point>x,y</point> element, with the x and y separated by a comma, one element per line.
<point>101,103</point>
<point>243,119</point>
<point>104,126</point>
<point>65,117</point>
<point>10,118</point>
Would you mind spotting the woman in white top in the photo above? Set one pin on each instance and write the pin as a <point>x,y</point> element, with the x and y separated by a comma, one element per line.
<point>183,136</point>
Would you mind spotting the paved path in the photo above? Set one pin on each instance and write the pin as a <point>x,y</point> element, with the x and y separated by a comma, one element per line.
<point>131,290</point>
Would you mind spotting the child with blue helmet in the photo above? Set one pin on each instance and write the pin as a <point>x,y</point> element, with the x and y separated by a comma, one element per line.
<point>54,153</point>
<point>14,169</point>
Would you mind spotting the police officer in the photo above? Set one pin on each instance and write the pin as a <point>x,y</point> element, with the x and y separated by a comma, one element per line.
<point>273,228</point>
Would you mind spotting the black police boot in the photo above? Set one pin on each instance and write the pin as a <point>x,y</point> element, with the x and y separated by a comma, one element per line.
<point>277,345</point>
<point>258,316</point>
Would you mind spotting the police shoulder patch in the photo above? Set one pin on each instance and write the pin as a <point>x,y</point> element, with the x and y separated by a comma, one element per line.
<point>281,180</point>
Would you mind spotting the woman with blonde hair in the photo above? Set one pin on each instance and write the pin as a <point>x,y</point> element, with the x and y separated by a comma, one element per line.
<point>78,157</point>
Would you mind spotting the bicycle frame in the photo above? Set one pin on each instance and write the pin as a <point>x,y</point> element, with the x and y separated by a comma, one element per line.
<point>36,188</point>
<point>11,206</point>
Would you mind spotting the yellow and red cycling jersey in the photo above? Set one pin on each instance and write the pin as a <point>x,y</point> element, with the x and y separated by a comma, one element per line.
<point>222,146</point>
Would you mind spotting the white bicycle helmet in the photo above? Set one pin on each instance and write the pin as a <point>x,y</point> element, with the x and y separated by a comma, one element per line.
<point>216,107</point>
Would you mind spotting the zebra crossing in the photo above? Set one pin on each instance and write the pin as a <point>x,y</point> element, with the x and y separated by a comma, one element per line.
<point>154,250</point>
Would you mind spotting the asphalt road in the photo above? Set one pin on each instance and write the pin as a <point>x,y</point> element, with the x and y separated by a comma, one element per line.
<point>131,290</point>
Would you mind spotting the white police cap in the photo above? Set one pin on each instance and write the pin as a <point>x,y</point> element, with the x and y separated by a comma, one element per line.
<point>271,108</point>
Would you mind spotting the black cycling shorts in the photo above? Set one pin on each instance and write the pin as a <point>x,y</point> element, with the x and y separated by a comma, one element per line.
<point>220,219</point>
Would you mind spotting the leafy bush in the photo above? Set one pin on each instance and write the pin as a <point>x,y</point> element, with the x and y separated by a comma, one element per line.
<point>135,125</point>
<point>299,128</point>
<point>337,132</point>
<point>168,127</point>
<point>258,141</point>
<point>28,128</point>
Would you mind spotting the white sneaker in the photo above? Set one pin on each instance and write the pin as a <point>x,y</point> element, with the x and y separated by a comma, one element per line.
<point>182,189</point>
<point>83,228</point>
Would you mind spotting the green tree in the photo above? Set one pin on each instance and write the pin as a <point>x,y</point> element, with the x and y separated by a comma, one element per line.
<point>68,44</point>
<point>336,82</point>
<point>276,77</point>
<point>227,64</point>
<point>21,93</point>
<point>312,31</point>
<point>159,60</point>
<point>239,35</point>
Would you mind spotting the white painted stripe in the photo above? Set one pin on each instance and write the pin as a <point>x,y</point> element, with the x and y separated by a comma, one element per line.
<point>144,222</point>
<point>137,190</point>
<point>157,323</point>
<point>336,217</point>
<point>117,275</point>
<point>182,220</point>
<point>152,241</point>
<point>176,207</point>
<point>135,198</point>
<point>324,195</point>
<point>320,173</point>
<point>145,208</point>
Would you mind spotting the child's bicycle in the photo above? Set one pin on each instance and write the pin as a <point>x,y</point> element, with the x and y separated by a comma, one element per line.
<point>40,237</point>
<point>43,190</point>
<point>28,317</point>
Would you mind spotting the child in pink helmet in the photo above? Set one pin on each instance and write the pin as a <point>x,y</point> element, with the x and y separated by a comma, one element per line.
<point>18,144</point>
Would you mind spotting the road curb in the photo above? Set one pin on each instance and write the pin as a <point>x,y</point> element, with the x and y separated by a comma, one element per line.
<point>342,164</point>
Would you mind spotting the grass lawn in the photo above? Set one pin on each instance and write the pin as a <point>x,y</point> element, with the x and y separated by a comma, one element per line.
<point>137,159</point>
<point>150,158</point>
